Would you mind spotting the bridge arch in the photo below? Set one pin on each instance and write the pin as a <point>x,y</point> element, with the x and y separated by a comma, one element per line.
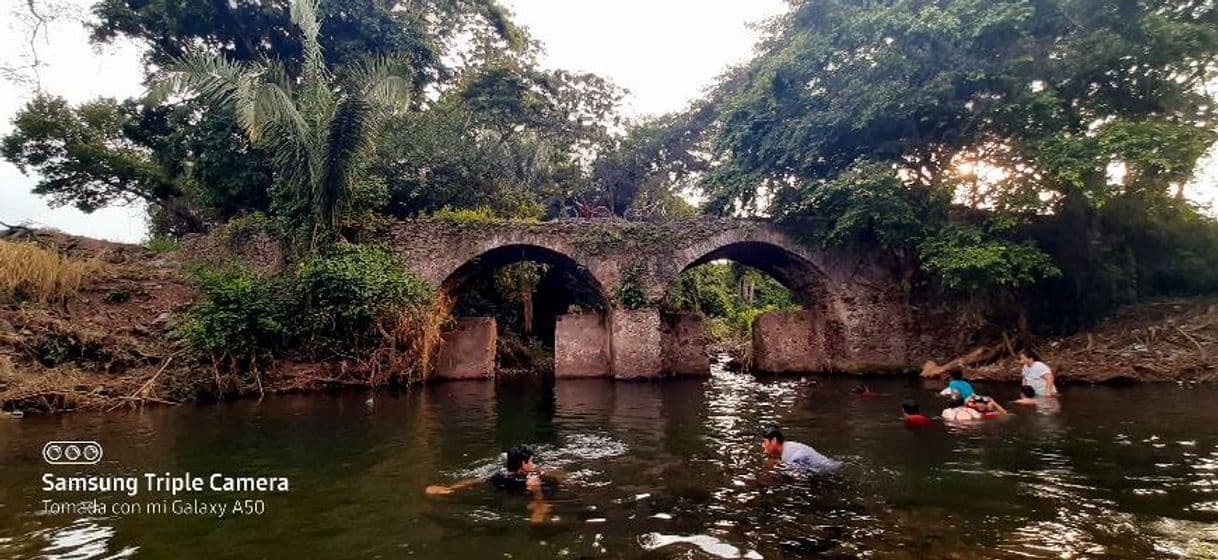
<point>476,346</point>
<point>810,339</point>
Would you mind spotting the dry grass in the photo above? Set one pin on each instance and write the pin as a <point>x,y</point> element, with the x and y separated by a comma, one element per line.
<point>30,272</point>
<point>409,344</point>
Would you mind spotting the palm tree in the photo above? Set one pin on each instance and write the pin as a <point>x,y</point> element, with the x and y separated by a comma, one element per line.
<point>318,126</point>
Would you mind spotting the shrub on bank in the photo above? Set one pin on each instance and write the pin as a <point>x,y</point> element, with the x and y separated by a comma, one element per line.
<point>348,300</point>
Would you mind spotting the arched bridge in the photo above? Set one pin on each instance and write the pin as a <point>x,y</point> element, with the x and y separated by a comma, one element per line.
<point>856,312</point>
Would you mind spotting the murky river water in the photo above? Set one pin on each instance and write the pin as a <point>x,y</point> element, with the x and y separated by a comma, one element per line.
<point>657,470</point>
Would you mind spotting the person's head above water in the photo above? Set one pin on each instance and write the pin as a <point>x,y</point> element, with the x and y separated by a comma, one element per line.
<point>1028,391</point>
<point>1027,357</point>
<point>957,374</point>
<point>860,389</point>
<point>520,459</point>
<point>956,402</point>
<point>910,408</point>
<point>771,441</point>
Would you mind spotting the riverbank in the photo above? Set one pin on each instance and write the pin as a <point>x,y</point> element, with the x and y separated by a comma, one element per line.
<point>113,342</point>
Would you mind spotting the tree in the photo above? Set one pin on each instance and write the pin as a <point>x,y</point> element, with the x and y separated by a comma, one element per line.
<point>86,158</point>
<point>318,131</point>
<point>1018,109</point>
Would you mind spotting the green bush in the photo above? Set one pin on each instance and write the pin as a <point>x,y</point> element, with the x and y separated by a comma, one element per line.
<point>162,244</point>
<point>243,319</point>
<point>479,215</point>
<point>331,303</point>
<point>343,293</point>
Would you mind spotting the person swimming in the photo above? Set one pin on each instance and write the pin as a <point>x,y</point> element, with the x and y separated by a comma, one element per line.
<point>862,390</point>
<point>989,408</point>
<point>956,411</point>
<point>795,454</point>
<point>913,415</point>
<point>520,474</point>
<point>958,386</point>
<point>1027,396</point>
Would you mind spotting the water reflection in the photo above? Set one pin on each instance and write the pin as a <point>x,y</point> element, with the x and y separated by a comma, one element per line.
<point>658,470</point>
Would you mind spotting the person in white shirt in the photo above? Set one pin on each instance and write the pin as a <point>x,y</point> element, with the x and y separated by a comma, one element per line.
<point>1037,375</point>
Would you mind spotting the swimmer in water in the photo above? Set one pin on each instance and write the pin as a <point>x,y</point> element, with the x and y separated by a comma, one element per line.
<point>519,475</point>
<point>1027,396</point>
<point>795,454</point>
<point>956,411</point>
<point>914,416</point>
<point>989,408</point>
<point>862,390</point>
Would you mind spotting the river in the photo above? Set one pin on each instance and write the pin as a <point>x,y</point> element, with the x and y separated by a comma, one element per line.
<point>656,470</point>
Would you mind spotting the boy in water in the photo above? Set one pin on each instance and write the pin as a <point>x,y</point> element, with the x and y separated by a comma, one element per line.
<point>795,454</point>
<point>519,474</point>
<point>914,416</point>
<point>1027,396</point>
<point>958,386</point>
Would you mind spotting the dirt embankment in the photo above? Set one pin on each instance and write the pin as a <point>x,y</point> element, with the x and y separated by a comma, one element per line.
<point>1171,340</point>
<point>102,344</point>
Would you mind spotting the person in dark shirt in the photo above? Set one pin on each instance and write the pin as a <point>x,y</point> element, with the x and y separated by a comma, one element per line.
<point>914,416</point>
<point>520,474</point>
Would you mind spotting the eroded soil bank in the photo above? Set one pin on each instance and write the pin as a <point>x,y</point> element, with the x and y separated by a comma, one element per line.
<point>114,343</point>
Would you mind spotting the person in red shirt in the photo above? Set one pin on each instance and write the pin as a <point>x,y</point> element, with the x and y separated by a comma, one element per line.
<point>913,416</point>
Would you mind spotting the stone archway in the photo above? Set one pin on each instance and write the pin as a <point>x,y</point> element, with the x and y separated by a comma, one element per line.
<point>580,339</point>
<point>806,340</point>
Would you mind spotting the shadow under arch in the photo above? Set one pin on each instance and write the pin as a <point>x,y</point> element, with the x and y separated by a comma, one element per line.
<point>565,272</point>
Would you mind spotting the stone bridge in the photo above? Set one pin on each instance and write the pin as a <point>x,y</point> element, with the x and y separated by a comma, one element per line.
<point>855,313</point>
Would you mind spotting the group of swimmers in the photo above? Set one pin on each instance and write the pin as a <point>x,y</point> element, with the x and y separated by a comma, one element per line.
<point>522,475</point>
<point>965,405</point>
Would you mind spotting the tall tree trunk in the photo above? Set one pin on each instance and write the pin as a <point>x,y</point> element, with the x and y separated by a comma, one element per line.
<point>526,303</point>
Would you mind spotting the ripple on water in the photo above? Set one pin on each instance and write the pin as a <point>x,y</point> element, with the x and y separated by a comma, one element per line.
<point>83,539</point>
<point>706,543</point>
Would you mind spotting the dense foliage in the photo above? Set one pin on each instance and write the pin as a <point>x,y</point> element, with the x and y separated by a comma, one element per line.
<point>1006,144</point>
<point>729,296</point>
<point>342,301</point>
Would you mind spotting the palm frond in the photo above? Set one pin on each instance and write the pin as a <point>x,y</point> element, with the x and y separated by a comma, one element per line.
<point>213,78</point>
<point>304,15</point>
<point>347,141</point>
<point>382,81</point>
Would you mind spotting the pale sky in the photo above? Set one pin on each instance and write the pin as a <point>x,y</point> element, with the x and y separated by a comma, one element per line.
<point>664,51</point>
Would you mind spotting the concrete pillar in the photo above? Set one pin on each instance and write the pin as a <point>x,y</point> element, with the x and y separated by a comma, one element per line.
<point>468,351</point>
<point>581,345</point>
<point>637,346</point>
<point>790,342</point>
<point>685,345</point>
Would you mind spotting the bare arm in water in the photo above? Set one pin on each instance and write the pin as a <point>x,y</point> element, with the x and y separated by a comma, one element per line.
<point>440,489</point>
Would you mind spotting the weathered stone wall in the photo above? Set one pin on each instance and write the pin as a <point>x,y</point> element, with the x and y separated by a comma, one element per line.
<point>581,345</point>
<point>468,351</point>
<point>685,345</point>
<point>862,316</point>
<point>638,343</point>
<point>790,342</point>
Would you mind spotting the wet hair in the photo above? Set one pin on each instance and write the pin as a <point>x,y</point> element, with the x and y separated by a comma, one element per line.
<point>957,373</point>
<point>517,456</point>
<point>1030,353</point>
<point>910,407</point>
<point>860,389</point>
<point>1028,391</point>
<point>956,402</point>
<point>772,433</point>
